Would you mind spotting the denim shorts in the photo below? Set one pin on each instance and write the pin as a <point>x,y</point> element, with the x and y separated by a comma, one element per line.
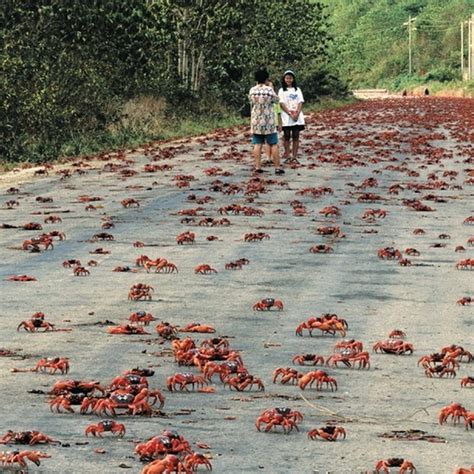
<point>271,139</point>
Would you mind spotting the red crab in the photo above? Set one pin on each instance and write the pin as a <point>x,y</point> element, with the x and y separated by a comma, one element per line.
<point>467,381</point>
<point>455,411</point>
<point>465,470</point>
<point>216,343</point>
<point>351,345</point>
<point>322,248</point>
<point>140,291</point>
<point>371,214</point>
<point>166,330</point>
<point>253,237</point>
<point>141,317</point>
<point>320,377</point>
<point>106,425</point>
<point>393,346</point>
<point>53,364</point>
<point>267,304</point>
<point>169,442</point>
<point>465,264</point>
<point>224,369</point>
<point>103,236</point>
<point>193,460</point>
<point>326,326</point>
<point>284,417</point>
<point>139,404</point>
<point>35,323</point>
<point>389,253</point>
<point>160,265</point>
<point>204,269</point>
<point>77,386</point>
<point>131,380</point>
<point>328,433</point>
<point>241,381</point>
<point>52,220</point>
<point>287,374</point>
<point>348,358</point>
<point>440,371</point>
<point>233,266</point>
<point>384,466</point>
<point>18,457</point>
<point>130,202</point>
<point>331,230</point>
<point>186,238</point>
<point>312,359</point>
<point>183,379</point>
<point>330,211</point>
<point>126,329</point>
<point>170,463</point>
<point>21,278</point>
<point>26,437</point>
<point>197,327</point>
<point>81,271</point>
<point>445,359</point>
<point>457,352</point>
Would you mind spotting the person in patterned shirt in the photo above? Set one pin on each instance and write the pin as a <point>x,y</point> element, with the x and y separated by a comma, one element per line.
<point>262,119</point>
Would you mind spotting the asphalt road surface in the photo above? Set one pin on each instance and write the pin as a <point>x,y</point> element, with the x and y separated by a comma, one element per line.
<point>412,158</point>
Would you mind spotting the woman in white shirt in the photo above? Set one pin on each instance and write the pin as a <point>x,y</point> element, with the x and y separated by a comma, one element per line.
<point>291,101</point>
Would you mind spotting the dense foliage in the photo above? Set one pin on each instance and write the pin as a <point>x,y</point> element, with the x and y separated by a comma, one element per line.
<point>372,39</point>
<point>68,68</point>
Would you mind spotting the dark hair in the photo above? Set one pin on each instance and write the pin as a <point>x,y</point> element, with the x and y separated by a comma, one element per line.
<point>261,76</point>
<point>283,83</point>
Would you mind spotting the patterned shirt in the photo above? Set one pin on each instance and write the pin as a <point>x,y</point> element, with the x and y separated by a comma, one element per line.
<point>262,119</point>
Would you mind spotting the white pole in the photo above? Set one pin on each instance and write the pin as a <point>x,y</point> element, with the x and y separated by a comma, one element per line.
<point>462,51</point>
<point>469,57</point>
<point>409,45</point>
<point>471,48</point>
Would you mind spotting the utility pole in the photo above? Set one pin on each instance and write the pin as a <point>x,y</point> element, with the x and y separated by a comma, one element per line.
<point>471,48</point>
<point>462,50</point>
<point>411,28</point>
<point>469,58</point>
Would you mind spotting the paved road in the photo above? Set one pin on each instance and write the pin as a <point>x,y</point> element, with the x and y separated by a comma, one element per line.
<point>425,146</point>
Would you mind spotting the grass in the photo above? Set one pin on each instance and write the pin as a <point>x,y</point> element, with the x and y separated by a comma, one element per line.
<point>141,130</point>
<point>415,83</point>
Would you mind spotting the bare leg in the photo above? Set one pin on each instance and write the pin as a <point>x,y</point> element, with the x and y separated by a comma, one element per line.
<point>286,144</point>
<point>257,153</point>
<point>275,153</point>
<point>296,144</point>
<point>268,151</point>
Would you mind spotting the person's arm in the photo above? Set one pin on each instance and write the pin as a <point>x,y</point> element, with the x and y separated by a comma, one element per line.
<point>283,106</point>
<point>300,105</point>
<point>295,114</point>
<point>278,115</point>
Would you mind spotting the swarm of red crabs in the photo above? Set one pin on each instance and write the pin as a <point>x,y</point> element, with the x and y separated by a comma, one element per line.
<point>204,359</point>
<point>128,393</point>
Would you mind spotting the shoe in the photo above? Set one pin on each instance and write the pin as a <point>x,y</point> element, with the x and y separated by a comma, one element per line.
<point>259,170</point>
<point>279,171</point>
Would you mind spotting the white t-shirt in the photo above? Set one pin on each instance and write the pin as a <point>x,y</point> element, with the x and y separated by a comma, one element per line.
<point>291,98</point>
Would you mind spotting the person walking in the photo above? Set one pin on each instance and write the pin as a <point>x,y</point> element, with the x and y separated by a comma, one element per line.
<point>291,101</point>
<point>262,118</point>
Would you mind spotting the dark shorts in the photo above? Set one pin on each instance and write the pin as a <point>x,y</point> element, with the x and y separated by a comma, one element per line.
<point>271,139</point>
<point>292,132</point>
